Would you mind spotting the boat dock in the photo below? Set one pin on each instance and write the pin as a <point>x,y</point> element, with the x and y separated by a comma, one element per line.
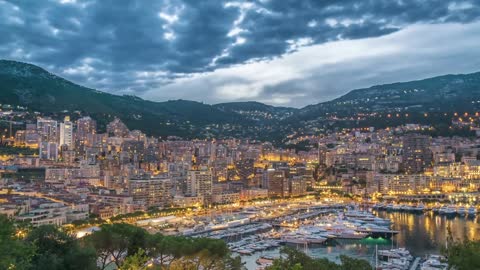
<point>415,263</point>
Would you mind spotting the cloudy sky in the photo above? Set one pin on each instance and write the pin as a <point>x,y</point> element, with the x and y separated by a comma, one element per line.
<point>281,52</point>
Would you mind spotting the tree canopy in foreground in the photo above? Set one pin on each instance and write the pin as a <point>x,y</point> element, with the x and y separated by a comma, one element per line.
<point>462,254</point>
<point>292,259</point>
<point>114,246</point>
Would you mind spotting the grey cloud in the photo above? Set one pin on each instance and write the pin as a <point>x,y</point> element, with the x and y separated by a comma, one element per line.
<point>104,44</point>
<point>266,33</point>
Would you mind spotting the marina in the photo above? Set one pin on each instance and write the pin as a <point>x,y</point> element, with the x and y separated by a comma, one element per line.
<point>389,236</point>
<point>422,235</point>
<point>303,228</point>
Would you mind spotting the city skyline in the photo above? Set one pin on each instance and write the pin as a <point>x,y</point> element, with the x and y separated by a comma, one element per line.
<point>360,185</point>
<point>240,135</point>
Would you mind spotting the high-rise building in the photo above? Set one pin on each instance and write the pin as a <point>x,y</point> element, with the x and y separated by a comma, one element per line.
<point>276,183</point>
<point>48,151</point>
<point>117,128</point>
<point>200,183</point>
<point>32,137</point>
<point>322,154</point>
<point>134,150</point>
<point>150,191</point>
<point>85,126</point>
<point>48,130</point>
<point>399,183</point>
<point>416,153</point>
<point>297,186</point>
<point>66,133</point>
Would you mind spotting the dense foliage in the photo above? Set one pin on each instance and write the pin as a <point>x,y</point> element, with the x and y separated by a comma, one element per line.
<point>292,259</point>
<point>56,250</point>
<point>462,255</point>
<point>14,252</point>
<point>119,245</point>
<point>13,150</point>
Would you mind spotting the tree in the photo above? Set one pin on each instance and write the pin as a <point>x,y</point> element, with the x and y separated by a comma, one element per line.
<point>55,249</point>
<point>234,263</point>
<point>159,247</point>
<point>117,241</point>
<point>14,253</point>
<point>122,246</point>
<point>137,261</point>
<point>349,263</point>
<point>292,259</point>
<point>177,252</point>
<point>462,255</point>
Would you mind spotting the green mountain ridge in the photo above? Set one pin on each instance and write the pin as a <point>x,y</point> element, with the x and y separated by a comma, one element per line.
<point>445,93</point>
<point>30,86</point>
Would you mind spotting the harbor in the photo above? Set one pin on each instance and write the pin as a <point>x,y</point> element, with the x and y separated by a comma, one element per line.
<point>421,234</point>
<point>312,228</point>
<point>390,236</point>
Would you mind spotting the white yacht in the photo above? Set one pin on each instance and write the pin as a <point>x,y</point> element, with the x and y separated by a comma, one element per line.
<point>434,262</point>
<point>419,208</point>
<point>447,210</point>
<point>472,211</point>
<point>450,211</point>
<point>462,211</point>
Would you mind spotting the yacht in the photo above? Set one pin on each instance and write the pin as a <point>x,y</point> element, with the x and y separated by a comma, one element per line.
<point>434,262</point>
<point>472,211</point>
<point>357,214</point>
<point>398,258</point>
<point>245,251</point>
<point>351,234</point>
<point>448,211</point>
<point>379,206</point>
<point>265,260</point>
<point>462,211</point>
<point>397,207</point>
<point>401,263</point>
<point>420,208</point>
<point>315,239</point>
<point>376,231</point>
<point>366,217</point>
<point>388,266</point>
<point>296,240</point>
<point>304,235</point>
<point>395,253</point>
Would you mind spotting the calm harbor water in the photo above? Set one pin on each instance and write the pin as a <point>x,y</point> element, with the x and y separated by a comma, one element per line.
<point>420,233</point>
<point>427,233</point>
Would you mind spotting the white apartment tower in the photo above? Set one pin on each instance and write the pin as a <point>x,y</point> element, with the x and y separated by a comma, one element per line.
<point>66,133</point>
<point>199,183</point>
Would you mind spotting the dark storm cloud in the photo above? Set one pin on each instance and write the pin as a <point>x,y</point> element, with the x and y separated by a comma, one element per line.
<point>134,46</point>
<point>268,26</point>
<point>113,41</point>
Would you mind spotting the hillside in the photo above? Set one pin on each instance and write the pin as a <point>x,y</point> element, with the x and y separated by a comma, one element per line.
<point>446,93</point>
<point>35,88</point>
<point>40,91</point>
<point>256,111</point>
